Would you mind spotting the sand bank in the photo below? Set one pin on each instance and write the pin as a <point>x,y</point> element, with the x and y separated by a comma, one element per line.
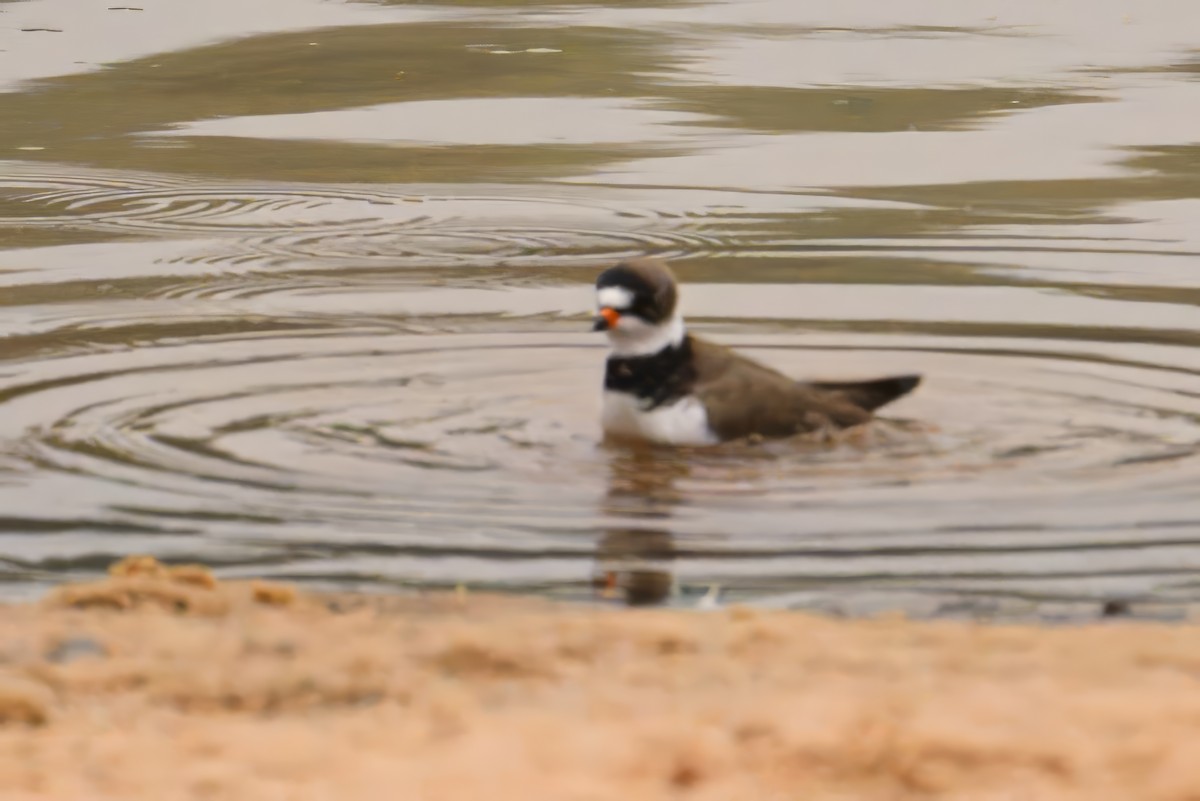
<point>165,684</point>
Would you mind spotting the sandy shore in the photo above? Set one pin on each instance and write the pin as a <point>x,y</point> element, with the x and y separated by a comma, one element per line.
<point>164,684</point>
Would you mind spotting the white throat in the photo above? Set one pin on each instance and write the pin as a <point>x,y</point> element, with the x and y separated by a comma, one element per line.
<point>633,337</point>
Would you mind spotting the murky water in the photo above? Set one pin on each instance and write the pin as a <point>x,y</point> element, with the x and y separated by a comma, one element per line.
<point>306,294</point>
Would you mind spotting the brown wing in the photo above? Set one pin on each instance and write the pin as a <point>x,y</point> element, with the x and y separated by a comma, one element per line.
<point>743,397</point>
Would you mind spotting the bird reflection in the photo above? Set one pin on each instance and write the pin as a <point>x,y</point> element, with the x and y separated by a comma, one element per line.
<point>634,559</point>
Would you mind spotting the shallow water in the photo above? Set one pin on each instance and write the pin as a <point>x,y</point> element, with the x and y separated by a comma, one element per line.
<point>307,295</point>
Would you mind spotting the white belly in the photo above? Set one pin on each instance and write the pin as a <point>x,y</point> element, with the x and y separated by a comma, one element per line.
<point>681,423</point>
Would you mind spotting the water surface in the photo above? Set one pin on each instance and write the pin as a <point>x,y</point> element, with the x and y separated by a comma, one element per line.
<point>305,293</point>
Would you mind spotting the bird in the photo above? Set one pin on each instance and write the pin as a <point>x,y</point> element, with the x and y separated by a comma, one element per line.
<point>666,386</point>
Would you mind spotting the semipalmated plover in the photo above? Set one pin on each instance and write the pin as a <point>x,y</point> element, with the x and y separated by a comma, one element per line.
<point>664,385</point>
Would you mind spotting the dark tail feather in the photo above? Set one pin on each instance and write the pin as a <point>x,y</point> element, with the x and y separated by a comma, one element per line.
<point>870,395</point>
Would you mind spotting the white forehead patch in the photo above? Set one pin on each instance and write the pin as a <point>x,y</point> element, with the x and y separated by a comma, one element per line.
<point>614,297</point>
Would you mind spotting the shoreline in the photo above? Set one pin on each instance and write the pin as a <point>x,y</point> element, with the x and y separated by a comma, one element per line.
<point>164,683</point>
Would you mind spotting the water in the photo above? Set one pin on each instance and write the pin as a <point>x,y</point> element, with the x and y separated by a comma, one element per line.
<point>307,294</point>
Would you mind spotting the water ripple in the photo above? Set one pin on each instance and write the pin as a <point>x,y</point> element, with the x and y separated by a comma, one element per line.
<point>386,226</point>
<point>405,457</point>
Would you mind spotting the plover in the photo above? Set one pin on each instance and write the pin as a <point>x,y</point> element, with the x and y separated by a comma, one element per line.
<point>664,385</point>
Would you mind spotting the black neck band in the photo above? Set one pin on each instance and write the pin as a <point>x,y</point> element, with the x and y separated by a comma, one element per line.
<point>660,378</point>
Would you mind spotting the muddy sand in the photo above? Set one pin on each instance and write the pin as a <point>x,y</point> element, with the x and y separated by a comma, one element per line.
<point>162,683</point>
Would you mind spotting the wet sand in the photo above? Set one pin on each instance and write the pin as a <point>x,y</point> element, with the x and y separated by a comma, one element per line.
<point>165,684</point>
